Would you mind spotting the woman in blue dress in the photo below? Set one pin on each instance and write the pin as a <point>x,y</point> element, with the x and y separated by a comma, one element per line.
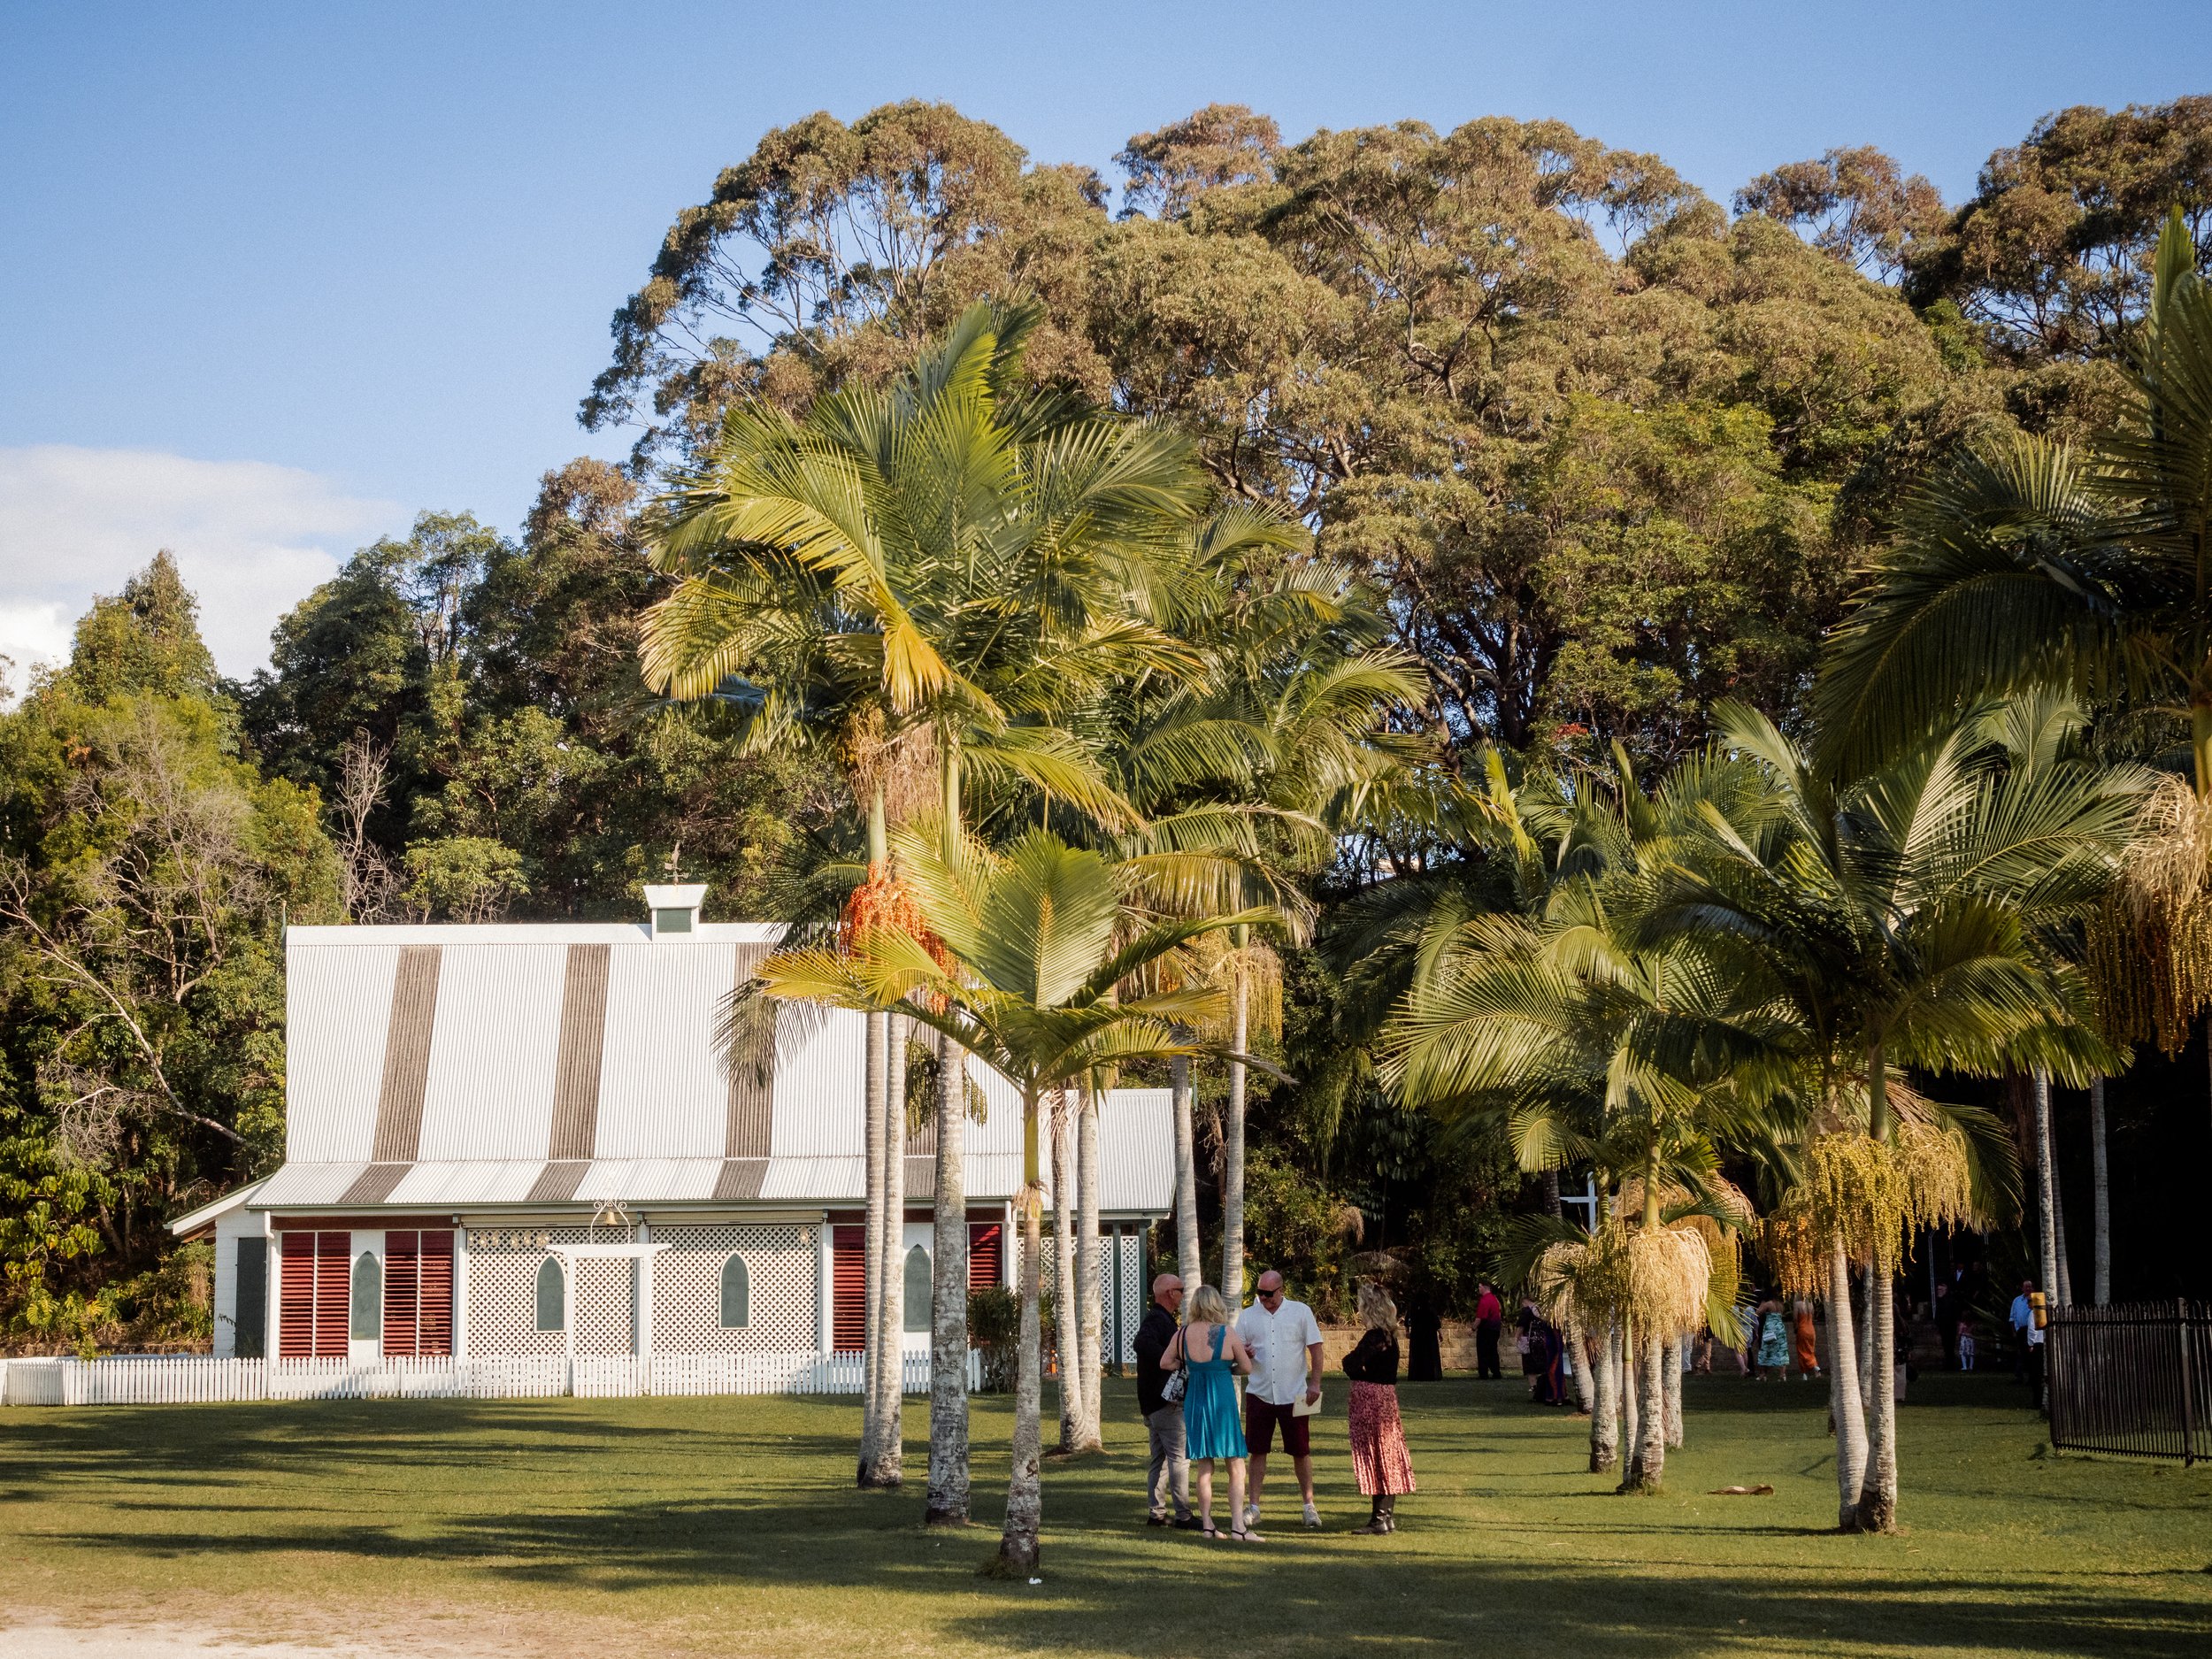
<point>1212,1355</point>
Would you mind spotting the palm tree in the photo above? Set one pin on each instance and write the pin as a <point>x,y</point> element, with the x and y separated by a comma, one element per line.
<point>988,555</point>
<point>1898,918</point>
<point>1246,773</point>
<point>766,637</point>
<point>2022,564</point>
<point>1591,1044</point>
<point>1037,944</point>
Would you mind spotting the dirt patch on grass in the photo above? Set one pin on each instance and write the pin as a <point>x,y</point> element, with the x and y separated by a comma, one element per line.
<point>194,1628</point>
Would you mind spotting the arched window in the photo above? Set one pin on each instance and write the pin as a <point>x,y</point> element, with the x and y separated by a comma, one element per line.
<point>737,1295</point>
<point>918,1289</point>
<point>368,1298</point>
<point>552,1295</point>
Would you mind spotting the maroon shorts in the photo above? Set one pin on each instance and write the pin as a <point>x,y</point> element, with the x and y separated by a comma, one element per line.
<point>1260,1418</point>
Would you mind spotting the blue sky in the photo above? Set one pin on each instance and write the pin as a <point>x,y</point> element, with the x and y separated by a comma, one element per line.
<point>276,277</point>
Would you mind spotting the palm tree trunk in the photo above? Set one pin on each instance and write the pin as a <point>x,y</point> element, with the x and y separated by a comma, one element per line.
<point>1232,1133</point>
<point>873,1253</point>
<point>1063,1314</point>
<point>1672,1361</point>
<point>1650,1466</point>
<point>1090,1313</point>
<point>1025,1489</point>
<point>1866,1342</point>
<point>948,1504</point>
<point>1877,1494</point>
<point>2046,1193</point>
<point>2101,1181</point>
<point>891,1332</point>
<point>1190,1260</point>
<point>1605,1426</point>
<point>1846,1405</point>
<point>1585,1372</point>
<point>1631,1409</point>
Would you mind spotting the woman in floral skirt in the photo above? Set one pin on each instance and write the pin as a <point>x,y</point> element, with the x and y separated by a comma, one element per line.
<point>1378,1440</point>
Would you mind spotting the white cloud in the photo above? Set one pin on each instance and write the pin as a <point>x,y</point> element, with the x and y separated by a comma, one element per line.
<point>250,539</point>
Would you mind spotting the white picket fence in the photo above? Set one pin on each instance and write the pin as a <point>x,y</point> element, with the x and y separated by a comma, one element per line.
<point>182,1379</point>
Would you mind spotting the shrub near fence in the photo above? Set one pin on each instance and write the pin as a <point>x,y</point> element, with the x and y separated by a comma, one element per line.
<point>2135,1380</point>
<point>177,1379</point>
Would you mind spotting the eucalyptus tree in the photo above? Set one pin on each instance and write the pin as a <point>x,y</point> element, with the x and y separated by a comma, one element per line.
<point>1898,917</point>
<point>1000,549</point>
<point>1038,946</point>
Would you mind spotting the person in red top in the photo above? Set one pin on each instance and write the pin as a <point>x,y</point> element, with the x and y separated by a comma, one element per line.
<point>1489,1319</point>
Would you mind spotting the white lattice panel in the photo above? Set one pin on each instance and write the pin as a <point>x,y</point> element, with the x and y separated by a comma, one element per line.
<point>780,1261</point>
<point>502,1289</point>
<point>1124,1252</point>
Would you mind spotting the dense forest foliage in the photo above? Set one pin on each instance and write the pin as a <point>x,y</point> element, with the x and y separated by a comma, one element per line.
<point>1601,451</point>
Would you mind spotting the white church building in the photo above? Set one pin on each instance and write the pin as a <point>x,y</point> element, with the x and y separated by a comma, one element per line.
<point>521,1139</point>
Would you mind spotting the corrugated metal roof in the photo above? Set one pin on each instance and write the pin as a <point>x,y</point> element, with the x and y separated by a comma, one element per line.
<point>661,1113</point>
<point>337,1008</point>
<point>662,1090</point>
<point>486,1182</point>
<point>308,1185</point>
<point>492,1049</point>
<point>534,933</point>
<point>821,1083</point>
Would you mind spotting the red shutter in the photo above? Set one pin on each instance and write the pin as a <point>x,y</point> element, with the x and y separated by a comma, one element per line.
<point>401,1278</point>
<point>848,1290</point>
<point>295,1296</point>
<point>985,1264</point>
<point>434,1329</point>
<point>314,1294</point>
<point>334,1265</point>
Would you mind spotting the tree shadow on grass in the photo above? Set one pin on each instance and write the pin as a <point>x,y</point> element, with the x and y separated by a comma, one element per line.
<point>605,1497</point>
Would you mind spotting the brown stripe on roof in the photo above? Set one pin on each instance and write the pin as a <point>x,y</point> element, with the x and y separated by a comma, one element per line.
<point>741,1177</point>
<point>407,1055</point>
<point>751,1064</point>
<point>558,1182</point>
<point>921,1177</point>
<point>374,1184</point>
<point>576,1070</point>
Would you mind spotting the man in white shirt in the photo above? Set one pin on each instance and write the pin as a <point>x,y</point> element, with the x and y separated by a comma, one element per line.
<point>1285,1345</point>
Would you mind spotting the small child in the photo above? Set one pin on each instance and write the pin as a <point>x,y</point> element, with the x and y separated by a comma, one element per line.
<point>1966,1345</point>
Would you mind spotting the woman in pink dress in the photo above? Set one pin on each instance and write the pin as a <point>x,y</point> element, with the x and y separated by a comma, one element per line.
<point>1378,1440</point>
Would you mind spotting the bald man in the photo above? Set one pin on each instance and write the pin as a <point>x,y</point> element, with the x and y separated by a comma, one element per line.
<point>1286,1344</point>
<point>1163,1418</point>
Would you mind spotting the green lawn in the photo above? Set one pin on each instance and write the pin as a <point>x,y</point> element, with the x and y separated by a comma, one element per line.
<point>728,1526</point>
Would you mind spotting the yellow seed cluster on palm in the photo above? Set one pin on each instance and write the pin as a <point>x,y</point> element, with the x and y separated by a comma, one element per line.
<point>1654,1280</point>
<point>2150,943</point>
<point>1219,960</point>
<point>1870,1195</point>
<point>1723,1242</point>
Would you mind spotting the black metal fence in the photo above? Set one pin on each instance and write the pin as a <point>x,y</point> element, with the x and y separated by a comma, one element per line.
<point>2134,1379</point>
